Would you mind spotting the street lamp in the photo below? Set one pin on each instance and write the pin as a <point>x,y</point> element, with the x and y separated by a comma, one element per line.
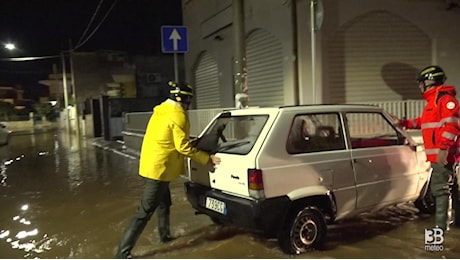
<point>10,46</point>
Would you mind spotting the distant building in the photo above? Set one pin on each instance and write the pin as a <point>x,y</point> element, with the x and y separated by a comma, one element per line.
<point>107,83</point>
<point>56,87</point>
<point>120,75</point>
<point>14,94</point>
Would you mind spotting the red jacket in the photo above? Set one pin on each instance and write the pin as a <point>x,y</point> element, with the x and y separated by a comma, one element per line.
<point>440,123</point>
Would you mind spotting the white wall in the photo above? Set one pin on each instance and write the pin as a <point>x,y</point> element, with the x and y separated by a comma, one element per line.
<point>275,17</point>
<point>442,26</point>
<point>199,14</point>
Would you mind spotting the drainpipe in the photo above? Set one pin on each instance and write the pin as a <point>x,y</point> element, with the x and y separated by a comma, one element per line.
<point>295,52</point>
<point>239,53</point>
<point>313,48</point>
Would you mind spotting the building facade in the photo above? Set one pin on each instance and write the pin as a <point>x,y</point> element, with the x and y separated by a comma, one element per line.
<point>361,51</point>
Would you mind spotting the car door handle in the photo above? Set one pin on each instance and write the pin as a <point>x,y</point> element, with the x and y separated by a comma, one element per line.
<point>368,161</point>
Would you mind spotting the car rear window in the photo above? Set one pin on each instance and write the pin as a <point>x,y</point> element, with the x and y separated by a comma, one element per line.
<point>236,134</point>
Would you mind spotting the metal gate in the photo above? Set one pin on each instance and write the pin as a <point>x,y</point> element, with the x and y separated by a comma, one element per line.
<point>207,82</point>
<point>265,69</point>
<point>375,57</point>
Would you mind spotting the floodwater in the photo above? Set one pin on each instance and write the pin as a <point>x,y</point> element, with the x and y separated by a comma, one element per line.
<point>61,197</point>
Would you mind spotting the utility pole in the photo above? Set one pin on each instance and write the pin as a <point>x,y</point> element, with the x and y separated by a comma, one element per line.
<point>239,43</point>
<point>66,93</point>
<point>72,80</point>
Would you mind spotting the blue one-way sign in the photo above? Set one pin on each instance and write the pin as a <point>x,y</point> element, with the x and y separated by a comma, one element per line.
<point>174,39</point>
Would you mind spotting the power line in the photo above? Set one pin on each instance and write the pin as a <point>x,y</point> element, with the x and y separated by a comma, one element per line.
<point>97,27</point>
<point>90,22</point>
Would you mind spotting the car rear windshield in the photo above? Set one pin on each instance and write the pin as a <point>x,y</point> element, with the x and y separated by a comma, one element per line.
<point>236,134</point>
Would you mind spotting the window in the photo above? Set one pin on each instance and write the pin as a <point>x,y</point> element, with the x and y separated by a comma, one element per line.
<point>371,130</point>
<point>233,134</point>
<point>315,133</point>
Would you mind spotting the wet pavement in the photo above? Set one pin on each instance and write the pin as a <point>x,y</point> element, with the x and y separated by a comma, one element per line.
<point>61,197</point>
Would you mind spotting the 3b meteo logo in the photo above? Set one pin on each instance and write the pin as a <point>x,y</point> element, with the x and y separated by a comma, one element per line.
<point>433,240</point>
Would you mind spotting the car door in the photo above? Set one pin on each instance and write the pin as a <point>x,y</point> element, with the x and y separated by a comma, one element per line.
<point>316,157</point>
<point>385,166</point>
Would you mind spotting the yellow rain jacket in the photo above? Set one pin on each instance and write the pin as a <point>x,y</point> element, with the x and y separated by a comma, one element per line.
<point>166,142</point>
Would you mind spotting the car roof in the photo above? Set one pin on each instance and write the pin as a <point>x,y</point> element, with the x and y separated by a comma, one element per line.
<point>307,108</point>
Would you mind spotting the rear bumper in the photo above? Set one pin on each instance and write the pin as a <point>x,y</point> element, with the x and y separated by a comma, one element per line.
<point>261,216</point>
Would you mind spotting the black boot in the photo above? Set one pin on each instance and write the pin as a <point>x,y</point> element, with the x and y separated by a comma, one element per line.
<point>163,224</point>
<point>442,206</point>
<point>130,236</point>
<point>455,205</point>
<point>163,212</point>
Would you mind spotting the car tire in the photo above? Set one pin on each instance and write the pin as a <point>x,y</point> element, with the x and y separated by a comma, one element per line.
<point>305,230</point>
<point>427,203</point>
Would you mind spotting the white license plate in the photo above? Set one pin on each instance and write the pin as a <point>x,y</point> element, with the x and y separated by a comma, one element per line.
<point>216,205</point>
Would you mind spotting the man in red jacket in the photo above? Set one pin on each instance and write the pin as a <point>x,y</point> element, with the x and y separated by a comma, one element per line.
<point>440,124</point>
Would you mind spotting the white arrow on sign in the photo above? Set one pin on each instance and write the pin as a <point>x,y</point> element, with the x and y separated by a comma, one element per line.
<point>175,36</point>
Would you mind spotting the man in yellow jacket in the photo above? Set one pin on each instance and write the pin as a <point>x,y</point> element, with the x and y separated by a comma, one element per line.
<point>166,143</point>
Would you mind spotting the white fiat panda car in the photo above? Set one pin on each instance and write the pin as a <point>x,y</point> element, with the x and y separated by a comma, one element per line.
<point>288,172</point>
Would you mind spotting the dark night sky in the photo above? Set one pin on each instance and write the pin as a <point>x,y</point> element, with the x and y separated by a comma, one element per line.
<point>44,27</point>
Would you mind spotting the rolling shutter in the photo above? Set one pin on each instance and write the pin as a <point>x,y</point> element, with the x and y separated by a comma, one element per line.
<point>265,69</point>
<point>375,57</point>
<point>207,83</point>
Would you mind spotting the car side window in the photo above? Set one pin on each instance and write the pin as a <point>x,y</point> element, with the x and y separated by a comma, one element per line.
<point>315,133</point>
<point>371,130</point>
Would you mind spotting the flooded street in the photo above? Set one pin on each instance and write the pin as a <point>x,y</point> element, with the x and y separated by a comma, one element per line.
<point>61,197</point>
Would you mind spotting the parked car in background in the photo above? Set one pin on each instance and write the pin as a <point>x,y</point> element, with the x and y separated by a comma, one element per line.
<point>4,134</point>
<point>289,172</point>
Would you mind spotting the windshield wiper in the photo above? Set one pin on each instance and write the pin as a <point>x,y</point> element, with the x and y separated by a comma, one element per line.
<point>230,146</point>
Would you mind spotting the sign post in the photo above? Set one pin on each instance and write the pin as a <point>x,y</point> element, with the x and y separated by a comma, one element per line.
<point>174,39</point>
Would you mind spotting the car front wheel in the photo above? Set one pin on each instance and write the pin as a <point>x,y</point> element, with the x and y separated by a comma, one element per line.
<point>305,230</point>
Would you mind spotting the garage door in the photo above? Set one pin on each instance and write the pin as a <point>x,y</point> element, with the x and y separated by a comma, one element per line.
<point>265,69</point>
<point>375,57</point>
<point>207,83</point>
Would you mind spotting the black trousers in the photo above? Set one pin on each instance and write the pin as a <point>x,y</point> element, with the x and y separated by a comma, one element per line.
<point>156,195</point>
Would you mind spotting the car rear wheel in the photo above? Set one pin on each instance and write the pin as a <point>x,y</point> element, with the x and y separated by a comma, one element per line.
<point>305,230</point>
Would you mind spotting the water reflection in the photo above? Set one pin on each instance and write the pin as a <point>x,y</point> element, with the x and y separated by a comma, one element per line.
<point>3,175</point>
<point>58,195</point>
<point>23,236</point>
<point>29,182</point>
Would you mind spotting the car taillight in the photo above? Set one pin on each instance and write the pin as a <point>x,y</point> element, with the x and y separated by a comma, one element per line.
<point>256,184</point>
<point>255,179</point>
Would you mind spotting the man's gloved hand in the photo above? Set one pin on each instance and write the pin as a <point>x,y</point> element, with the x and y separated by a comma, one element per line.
<point>442,157</point>
<point>396,120</point>
<point>214,159</point>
